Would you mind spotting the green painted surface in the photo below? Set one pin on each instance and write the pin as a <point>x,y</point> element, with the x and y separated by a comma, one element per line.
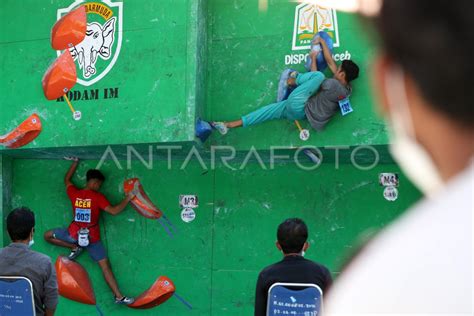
<point>179,60</point>
<point>179,153</point>
<point>215,259</point>
<point>6,179</point>
<point>248,48</point>
<point>154,73</point>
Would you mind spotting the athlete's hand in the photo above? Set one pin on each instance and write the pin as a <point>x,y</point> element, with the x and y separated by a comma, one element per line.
<point>71,158</point>
<point>314,54</point>
<point>130,196</point>
<point>317,40</point>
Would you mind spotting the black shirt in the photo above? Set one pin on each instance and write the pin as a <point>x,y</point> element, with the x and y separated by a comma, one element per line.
<point>292,269</point>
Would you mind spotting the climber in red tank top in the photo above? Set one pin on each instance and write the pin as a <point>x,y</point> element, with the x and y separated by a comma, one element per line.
<point>84,230</point>
<point>86,208</point>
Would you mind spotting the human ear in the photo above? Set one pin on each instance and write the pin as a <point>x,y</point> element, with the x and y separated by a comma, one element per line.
<point>277,244</point>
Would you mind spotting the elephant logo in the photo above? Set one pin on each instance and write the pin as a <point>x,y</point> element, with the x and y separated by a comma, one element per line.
<point>96,55</point>
<point>98,42</point>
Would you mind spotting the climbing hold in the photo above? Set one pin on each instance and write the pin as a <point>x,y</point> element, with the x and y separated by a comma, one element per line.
<point>143,205</point>
<point>70,30</point>
<point>320,61</point>
<point>74,282</point>
<point>141,202</point>
<point>23,134</point>
<point>60,77</point>
<point>157,294</point>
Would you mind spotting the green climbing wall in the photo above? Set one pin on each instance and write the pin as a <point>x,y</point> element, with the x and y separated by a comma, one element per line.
<point>214,260</point>
<point>249,49</point>
<point>179,60</point>
<point>151,82</point>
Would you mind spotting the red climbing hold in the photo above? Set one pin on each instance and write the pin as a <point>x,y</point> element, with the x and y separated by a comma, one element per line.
<point>141,202</point>
<point>70,30</point>
<point>74,282</point>
<point>23,134</point>
<point>157,294</point>
<point>60,77</point>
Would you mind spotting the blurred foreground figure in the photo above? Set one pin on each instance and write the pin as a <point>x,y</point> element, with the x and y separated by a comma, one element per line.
<point>424,75</point>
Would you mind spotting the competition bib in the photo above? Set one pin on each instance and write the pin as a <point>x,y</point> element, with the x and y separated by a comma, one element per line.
<point>345,106</point>
<point>83,215</point>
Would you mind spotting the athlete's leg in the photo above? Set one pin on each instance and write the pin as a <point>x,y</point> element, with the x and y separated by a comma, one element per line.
<point>58,237</point>
<point>269,112</point>
<point>276,110</point>
<point>109,277</point>
<point>308,84</point>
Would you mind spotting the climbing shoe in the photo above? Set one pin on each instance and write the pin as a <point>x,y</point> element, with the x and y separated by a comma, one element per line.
<point>124,300</point>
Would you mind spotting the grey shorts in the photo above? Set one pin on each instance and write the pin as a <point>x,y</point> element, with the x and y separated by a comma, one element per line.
<point>96,250</point>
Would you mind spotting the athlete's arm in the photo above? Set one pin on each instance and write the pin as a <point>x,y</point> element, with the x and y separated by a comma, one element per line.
<point>70,172</point>
<point>114,210</point>
<point>327,54</point>
<point>314,65</point>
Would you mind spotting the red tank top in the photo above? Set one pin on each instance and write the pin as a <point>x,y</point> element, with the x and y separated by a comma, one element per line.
<point>86,208</point>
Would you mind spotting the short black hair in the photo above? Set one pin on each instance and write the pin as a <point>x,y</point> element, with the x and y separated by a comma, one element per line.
<point>20,222</point>
<point>432,43</point>
<point>351,70</point>
<point>94,174</point>
<point>291,235</point>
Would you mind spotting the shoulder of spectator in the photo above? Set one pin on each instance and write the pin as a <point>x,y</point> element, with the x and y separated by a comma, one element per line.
<point>267,269</point>
<point>42,259</point>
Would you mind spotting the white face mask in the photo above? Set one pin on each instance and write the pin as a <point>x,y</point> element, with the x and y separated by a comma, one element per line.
<point>413,158</point>
<point>31,242</point>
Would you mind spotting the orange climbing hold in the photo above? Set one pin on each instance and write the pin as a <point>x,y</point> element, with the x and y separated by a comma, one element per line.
<point>70,30</point>
<point>60,77</point>
<point>74,282</point>
<point>157,294</point>
<point>141,202</point>
<point>23,133</point>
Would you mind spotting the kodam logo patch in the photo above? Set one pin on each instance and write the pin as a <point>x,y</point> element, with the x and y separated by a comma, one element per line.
<point>98,52</point>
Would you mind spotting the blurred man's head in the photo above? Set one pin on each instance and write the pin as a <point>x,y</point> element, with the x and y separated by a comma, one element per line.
<point>20,224</point>
<point>424,78</point>
<point>95,178</point>
<point>292,235</point>
<point>347,71</point>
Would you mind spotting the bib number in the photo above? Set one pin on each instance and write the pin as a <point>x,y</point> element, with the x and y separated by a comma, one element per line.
<point>345,106</point>
<point>83,215</point>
